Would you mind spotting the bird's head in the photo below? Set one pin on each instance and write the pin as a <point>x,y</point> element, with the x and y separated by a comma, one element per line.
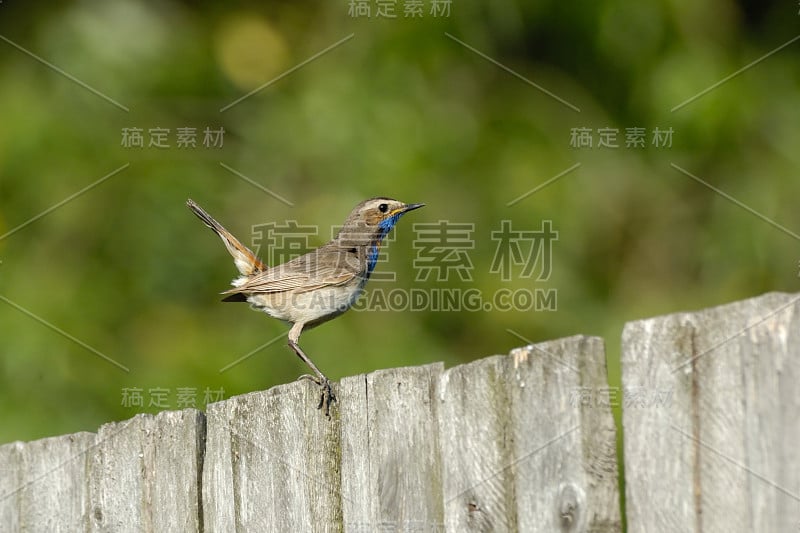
<point>372,219</point>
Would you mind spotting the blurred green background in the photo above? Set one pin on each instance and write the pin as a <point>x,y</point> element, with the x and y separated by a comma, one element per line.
<point>405,107</point>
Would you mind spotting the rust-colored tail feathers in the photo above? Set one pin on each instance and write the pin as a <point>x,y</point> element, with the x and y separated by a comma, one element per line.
<point>246,261</point>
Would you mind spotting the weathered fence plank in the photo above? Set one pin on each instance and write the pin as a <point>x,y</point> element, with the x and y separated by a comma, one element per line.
<point>567,480</point>
<point>43,484</point>
<point>722,454</point>
<point>476,448</point>
<point>144,473</point>
<point>272,463</point>
<point>521,451</point>
<point>391,473</point>
<point>137,475</point>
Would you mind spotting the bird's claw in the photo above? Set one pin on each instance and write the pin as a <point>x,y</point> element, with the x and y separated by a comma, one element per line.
<point>327,397</point>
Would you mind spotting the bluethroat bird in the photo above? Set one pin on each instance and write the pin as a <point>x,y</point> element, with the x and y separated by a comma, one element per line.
<point>315,287</point>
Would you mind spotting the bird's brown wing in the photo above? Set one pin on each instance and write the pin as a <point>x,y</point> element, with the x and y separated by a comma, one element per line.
<point>306,273</point>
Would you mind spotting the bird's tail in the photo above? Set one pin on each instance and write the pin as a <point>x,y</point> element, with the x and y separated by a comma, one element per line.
<point>246,261</point>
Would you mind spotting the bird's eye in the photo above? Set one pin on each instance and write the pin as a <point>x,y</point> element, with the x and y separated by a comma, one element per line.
<point>383,208</point>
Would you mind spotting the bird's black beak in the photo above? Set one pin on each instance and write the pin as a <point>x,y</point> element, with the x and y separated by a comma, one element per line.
<point>411,207</point>
<point>403,209</point>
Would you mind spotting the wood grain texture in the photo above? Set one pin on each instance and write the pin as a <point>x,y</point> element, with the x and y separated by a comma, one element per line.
<point>391,472</point>
<point>721,454</point>
<point>519,452</point>
<point>501,444</point>
<point>43,484</point>
<point>495,445</point>
<point>523,442</point>
<point>272,463</point>
<point>137,475</point>
<point>144,473</point>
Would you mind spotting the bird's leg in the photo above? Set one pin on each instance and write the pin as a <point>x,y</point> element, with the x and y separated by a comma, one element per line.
<point>320,379</point>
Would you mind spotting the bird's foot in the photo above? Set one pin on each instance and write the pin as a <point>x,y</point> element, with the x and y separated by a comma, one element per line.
<point>327,397</point>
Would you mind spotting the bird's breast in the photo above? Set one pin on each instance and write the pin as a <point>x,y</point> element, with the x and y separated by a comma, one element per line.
<point>316,305</point>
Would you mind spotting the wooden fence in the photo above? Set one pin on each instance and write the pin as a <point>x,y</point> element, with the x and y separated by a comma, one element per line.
<point>524,442</point>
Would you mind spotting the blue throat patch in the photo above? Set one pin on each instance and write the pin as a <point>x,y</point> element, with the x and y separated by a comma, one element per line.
<point>384,228</point>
